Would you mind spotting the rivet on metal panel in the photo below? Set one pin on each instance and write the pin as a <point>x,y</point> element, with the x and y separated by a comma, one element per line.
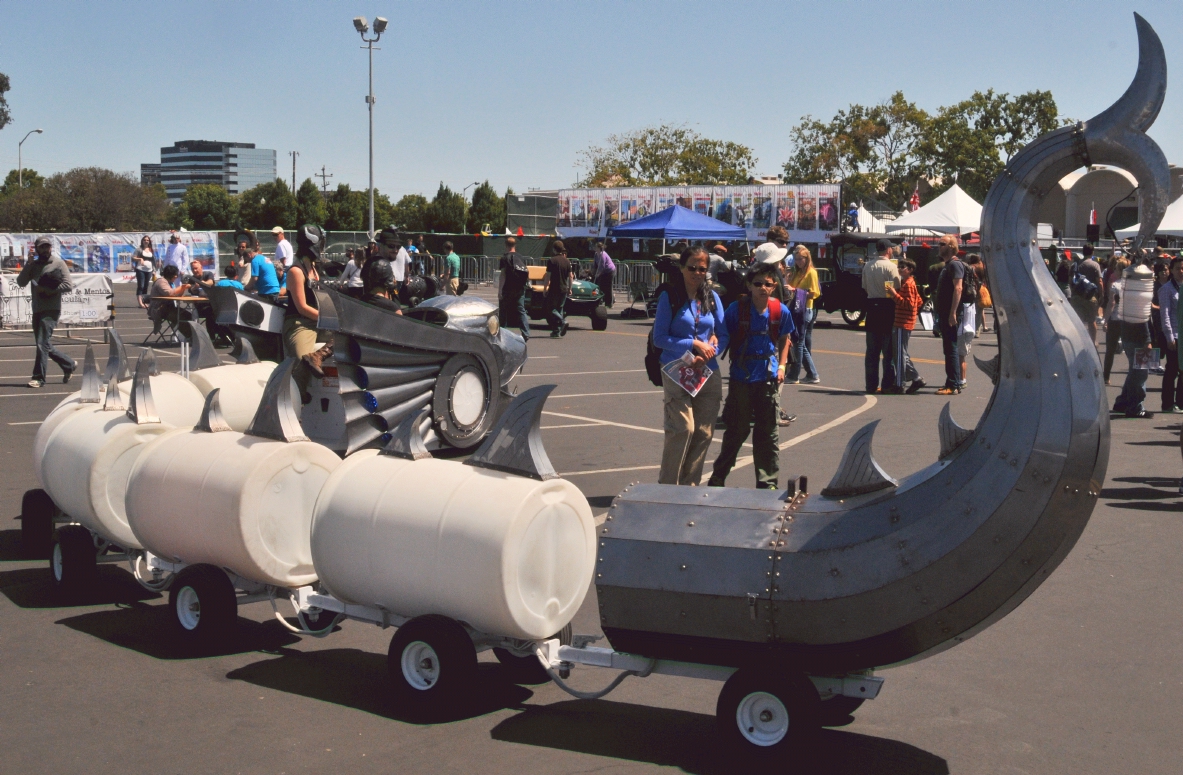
<point>901,544</point>
<point>917,587</point>
<point>834,530</point>
<point>690,523</point>
<point>780,543</point>
<point>834,572</point>
<point>778,573</point>
<point>602,543</point>
<point>599,575</point>
<point>605,530</point>
<point>767,590</point>
<point>601,559</point>
<point>682,614</point>
<point>772,544</point>
<point>1014,463</point>
<point>770,556</point>
<point>683,567</point>
<point>945,630</point>
<point>924,601</point>
<point>609,518</point>
<point>769,573</point>
<point>1002,455</point>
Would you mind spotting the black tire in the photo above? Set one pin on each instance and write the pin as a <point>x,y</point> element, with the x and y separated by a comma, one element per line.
<point>599,318</point>
<point>72,559</point>
<point>204,605</point>
<point>37,512</point>
<point>464,431</point>
<point>764,715</point>
<point>837,711</point>
<point>852,317</point>
<point>528,670</point>
<point>432,662</point>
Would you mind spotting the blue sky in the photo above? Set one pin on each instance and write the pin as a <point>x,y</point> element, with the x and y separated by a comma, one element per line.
<point>512,91</point>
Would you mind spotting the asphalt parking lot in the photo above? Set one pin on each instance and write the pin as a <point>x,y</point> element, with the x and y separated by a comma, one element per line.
<point>1082,678</point>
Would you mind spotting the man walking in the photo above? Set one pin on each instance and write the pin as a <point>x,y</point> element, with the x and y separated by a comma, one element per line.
<point>50,279</point>
<point>558,285</point>
<point>512,284</point>
<point>283,249</point>
<point>948,312</point>
<point>176,254</point>
<point>1086,291</point>
<point>907,304</point>
<point>1133,307</point>
<point>880,277</point>
<point>1168,300</point>
<point>451,271</point>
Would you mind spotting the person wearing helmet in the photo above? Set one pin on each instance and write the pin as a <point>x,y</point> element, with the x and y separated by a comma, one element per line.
<point>299,325</point>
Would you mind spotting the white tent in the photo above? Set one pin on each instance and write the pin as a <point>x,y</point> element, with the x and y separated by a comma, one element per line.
<point>869,223</point>
<point>1172,223</point>
<point>953,212</point>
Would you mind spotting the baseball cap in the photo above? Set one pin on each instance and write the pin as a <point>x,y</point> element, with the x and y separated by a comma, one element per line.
<point>44,239</point>
<point>720,249</point>
<point>884,245</point>
<point>277,230</point>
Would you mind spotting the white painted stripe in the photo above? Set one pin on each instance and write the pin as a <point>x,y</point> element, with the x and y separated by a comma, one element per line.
<point>34,393</point>
<point>31,422</point>
<point>594,421</point>
<point>621,393</point>
<point>572,425</point>
<point>610,470</point>
<point>581,373</point>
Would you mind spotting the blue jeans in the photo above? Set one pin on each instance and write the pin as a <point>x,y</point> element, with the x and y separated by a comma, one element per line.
<point>905,370</point>
<point>43,325</point>
<point>801,350</point>
<point>949,345</point>
<point>1134,336</point>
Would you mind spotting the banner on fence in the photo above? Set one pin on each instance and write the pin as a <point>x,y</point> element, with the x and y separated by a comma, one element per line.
<point>809,211</point>
<point>87,303</point>
<point>107,253</point>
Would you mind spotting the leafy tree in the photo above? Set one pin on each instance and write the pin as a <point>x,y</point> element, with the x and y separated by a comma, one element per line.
<point>446,212</point>
<point>5,116</point>
<point>488,207</point>
<point>210,207</point>
<point>383,211</point>
<point>665,156</point>
<point>310,204</point>
<point>86,199</point>
<point>410,213</point>
<point>268,205</point>
<point>346,209</point>
<point>12,181</point>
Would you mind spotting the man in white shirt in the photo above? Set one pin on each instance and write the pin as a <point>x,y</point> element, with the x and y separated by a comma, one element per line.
<point>176,254</point>
<point>401,262</point>
<point>283,249</point>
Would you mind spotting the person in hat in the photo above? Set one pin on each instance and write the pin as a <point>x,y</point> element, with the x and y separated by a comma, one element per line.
<point>283,248</point>
<point>880,279</point>
<point>299,323</point>
<point>775,250</point>
<point>379,286</point>
<point>50,278</point>
<point>176,254</point>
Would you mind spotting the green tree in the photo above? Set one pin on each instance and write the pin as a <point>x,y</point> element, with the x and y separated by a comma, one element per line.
<point>86,199</point>
<point>310,204</point>
<point>446,212</point>
<point>346,209</point>
<point>12,181</point>
<point>268,205</point>
<point>5,116</point>
<point>488,207</point>
<point>665,156</point>
<point>410,213</point>
<point>210,207</point>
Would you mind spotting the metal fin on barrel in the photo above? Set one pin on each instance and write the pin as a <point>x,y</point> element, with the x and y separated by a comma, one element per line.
<point>142,408</point>
<point>246,351</point>
<point>406,440</point>
<point>114,400</point>
<point>202,354</point>
<point>117,365</point>
<point>90,378</point>
<point>148,355</point>
<point>858,473</point>
<point>212,420</point>
<point>952,435</point>
<point>514,446</point>
<point>990,368</point>
<point>278,415</point>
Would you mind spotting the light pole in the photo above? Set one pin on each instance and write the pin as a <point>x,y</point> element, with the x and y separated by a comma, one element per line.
<point>362,26</point>
<point>464,196</point>
<point>20,166</point>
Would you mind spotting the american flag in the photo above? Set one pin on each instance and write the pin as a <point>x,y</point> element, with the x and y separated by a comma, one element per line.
<point>914,202</point>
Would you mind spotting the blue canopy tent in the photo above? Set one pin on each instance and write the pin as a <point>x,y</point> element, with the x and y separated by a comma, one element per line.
<point>677,222</point>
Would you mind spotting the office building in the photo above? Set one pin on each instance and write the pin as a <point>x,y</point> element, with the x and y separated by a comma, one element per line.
<point>237,167</point>
<point>149,174</point>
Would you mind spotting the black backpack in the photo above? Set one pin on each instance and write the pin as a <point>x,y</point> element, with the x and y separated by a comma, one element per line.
<point>969,286</point>
<point>652,360</point>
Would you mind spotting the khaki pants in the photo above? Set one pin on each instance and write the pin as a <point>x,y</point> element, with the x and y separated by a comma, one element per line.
<point>689,426</point>
<point>299,337</point>
<point>453,287</point>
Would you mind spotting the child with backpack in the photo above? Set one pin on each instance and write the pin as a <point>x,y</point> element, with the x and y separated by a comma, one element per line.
<point>759,328</point>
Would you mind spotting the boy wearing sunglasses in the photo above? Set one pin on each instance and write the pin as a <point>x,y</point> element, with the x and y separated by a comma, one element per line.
<point>760,328</point>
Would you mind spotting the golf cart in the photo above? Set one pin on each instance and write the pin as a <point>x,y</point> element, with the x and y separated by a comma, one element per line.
<point>844,293</point>
<point>583,300</point>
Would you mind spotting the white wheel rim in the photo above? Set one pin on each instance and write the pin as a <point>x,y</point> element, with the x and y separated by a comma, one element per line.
<point>57,561</point>
<point>762,718</point>
<point>468,397</point>
<point>188,608</point>
<point>421,666</point>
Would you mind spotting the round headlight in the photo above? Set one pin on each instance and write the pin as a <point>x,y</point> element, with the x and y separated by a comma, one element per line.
<point>493,324</point>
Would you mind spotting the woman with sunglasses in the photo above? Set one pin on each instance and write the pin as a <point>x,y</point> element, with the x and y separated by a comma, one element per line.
<point>144,262</point>
<point>689,319</point>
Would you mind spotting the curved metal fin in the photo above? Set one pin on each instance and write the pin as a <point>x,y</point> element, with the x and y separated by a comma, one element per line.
<point>246,351</point>
<point>114,400</point>
<point>142,408</point>
<point>117,365</point>
<point>407,441</point>
<point>212,420</point>
<point>515,443</point>
<point>278,415</point>
<point>858,473</point>
<point>90,378</point>
<point>991,367</point>
<point>952,435</point>
<point>202,354</point>
<point>149,355</point>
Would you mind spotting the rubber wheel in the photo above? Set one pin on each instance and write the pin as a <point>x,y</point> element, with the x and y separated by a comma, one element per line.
<point>852,317</point>
<point>461,403</point>
<point>768,716</point>
<point>37,512</point>
<point>837,711</point>
<point>203,604</point>
<point>432,662</point>
<point>72,559</point>
<point>599,318</point>
<point>528,670</point>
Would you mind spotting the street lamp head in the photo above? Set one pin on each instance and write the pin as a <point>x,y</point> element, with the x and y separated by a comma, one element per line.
<point>360,24</point>
<point>38,131</point>
<point>379,25</point>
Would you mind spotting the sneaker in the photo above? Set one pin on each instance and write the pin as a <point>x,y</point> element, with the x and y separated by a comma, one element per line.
<point>948,391</point>
<point>871,391</point>
<point>784,419</point>
<point>67,373</point>
<point>1173,410</point>
<point>36,383</point>
<point>792,382</point>
<point>1142,415</point>
<point>915,387</point>
<point>555,335</point>
<point>813,380</point>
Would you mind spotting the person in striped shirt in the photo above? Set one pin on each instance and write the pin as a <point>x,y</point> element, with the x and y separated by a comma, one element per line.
<point>907,304</point>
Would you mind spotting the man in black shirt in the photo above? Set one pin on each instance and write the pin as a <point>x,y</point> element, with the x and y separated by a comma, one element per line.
<point>557,288</point>
<point>948,312</point>
<point>377,276</point>
<point>513,284</point>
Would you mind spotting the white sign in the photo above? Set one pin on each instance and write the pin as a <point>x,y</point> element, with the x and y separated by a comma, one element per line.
<point>108,253</point>
<point>88,301</point>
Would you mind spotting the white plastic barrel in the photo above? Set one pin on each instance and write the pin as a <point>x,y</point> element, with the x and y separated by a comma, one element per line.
<point>66,408</point>
<point>85,465</point>
<point>508,555</point>
<point>242,389</point>
<point>235,501</point>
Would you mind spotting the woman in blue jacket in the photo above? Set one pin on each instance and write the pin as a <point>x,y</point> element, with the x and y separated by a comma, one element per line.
<point>689,320</point>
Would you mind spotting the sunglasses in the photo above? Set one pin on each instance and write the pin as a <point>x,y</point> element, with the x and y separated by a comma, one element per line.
<point>763,285</point>
<point>696,269</point>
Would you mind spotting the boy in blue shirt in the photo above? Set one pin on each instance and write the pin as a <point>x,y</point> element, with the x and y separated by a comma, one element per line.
<point>759,327</point>
<point>263,278</point>
<point>231,278</point>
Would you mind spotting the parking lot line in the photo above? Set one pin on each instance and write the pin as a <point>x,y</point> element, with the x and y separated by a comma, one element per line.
<point>611,470</point>
<point>30,422</point>
<point>595,421</point>
<point>581,373</point>
<point>571,425</point>
<point>33,394</point>
<point>863,355</point>
<point>619,393</point>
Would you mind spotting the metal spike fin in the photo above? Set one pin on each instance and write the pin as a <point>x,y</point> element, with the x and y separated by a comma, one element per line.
<point>142,409</point>
<point>407,439</point>
<point>202,354</point>
<point>212,420</point>
<point>515,443</point>
<point>90,378</point>
<point>952,435</point>
<point>149,355</point>
<point>117,365</point>
<point>858,473</point>
<point>246,351</point>
<point>114,400</point>
<point>991,367</point>
<point>278,415</point>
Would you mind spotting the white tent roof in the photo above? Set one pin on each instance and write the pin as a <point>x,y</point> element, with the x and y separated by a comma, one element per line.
<point>953,212</point>
<point>1172,223</point>
<point>869,223</point>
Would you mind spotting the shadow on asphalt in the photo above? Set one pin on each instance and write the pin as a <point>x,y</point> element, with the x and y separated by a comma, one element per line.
<point>600,501</point>
<point>358,679</point>
<point>10,547</point>
<point>1154,443</point>
<point>689,741</point>
<point>33,588</point>
<point>148,629</point>
<point>1147,494</point>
